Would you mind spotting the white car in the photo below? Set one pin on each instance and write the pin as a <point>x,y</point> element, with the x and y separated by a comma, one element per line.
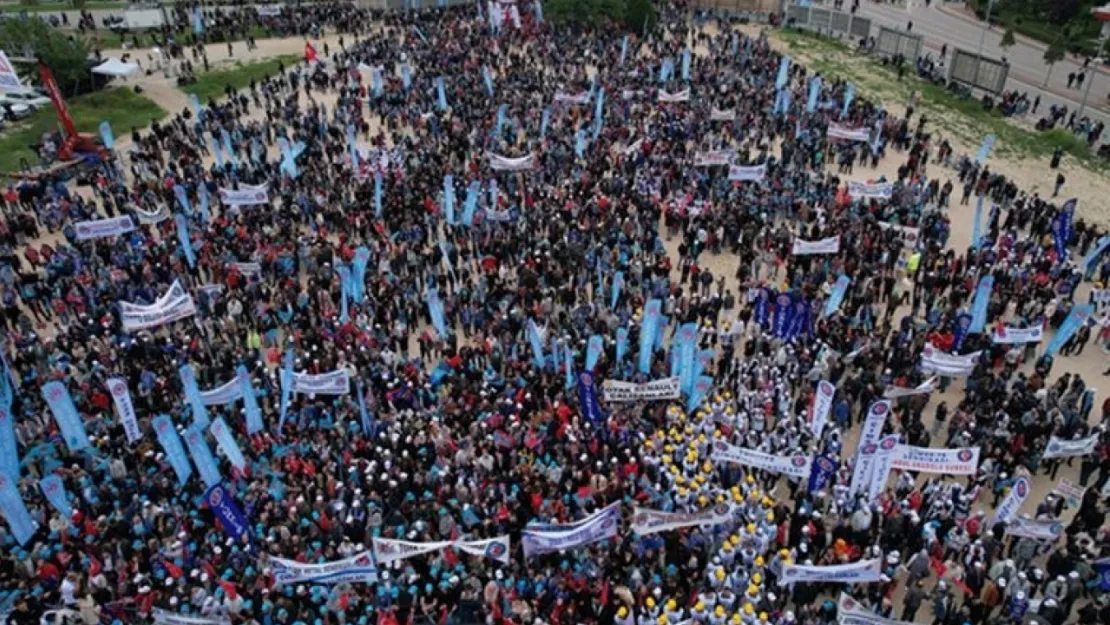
<point>32,99</point>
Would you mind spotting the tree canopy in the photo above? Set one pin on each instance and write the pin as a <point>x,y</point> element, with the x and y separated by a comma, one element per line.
<point>65,55</point>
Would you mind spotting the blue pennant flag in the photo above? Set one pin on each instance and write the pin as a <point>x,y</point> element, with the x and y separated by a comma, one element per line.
<point>226,139</point>
<point>686,64</point>
<point>618,284</point>
<point>20,523</point>
<point>814,93</point>
<point>624,49</point>
<point>836,295</point>
<point>377,195</point>
<point>223,505</point>
<point>587,398</point>
<point>9,452</point>
<point>980,304</point>
<point>537,343</point>
<point>449,198</point>
<point>198,21</point>
<point>367,419</point>
<point>202,455</point>
<point>545,120</point>
<point>250,401</point>
<point>352,145</point>
<point>65,414</point>
<point>959,334</point>
<point>985,148</point>
<point>55,492</point>
<point>106,135</point>
<point>594,347</point>
<point>205,215</point>
<point>784,73</point>
<point>599,112</point>
<point>648,330</point>
<point>192,395</point>
<point>406,76</point>
<point>1062,228</point>
<point>568,365</point>
<point>225,440</point>
<point>698,391</point>
<point>435,310</point>
<point>441,95</point>
<point>286,386</point>
<point>622,343</point>
<point>488,79</point>
<point>849,95</point>
<point>1078,316</point>
<point>470,206</point>
<point>171,445</point>
<point>183,239</point>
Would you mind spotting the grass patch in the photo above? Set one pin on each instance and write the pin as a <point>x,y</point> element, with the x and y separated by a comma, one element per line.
<point>107,39</point>
<point>964,118</point>
<point>213,84</point>
<point>121,107</point>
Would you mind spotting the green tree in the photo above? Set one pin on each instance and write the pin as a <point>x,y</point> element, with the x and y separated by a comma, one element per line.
<point>66,56</point>
<point>1007,39</point>
<point>640,17</point>
<point>78,4</point>
<point>583,11</point>
<point>1053,53</point>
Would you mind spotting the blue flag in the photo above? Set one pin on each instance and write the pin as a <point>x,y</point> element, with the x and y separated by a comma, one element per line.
<point>376,82</point>
<point>587,398</point>
<point>647,333</point>
<point>501,111</point>
<point>568,365</point>
<point>667,69</point>
<point>250,401</point>
<point>488,79</point>
<point>599,112</point>
<point>286,385</point>
<point>537,344</point>
<point>594,346</point>
<point>406,75</point>
<point>821,472</point>
<point>698,391</point>
<point>377,195</point>
<point>367,422</point>
<point>763,307</point>
<point>202,455</point>
<point>962,329</point>
<point>192,395</point>
<point>687,353</point>
<point>1090,261</point>
<point>441,95</point>
<point>784,314</point>
<point>106,135</point>
<point>183,239</point>
<point>171,444</point>
<point>980,304</point>
<point>65,413</point>
<point>985,148</point>
<point>1078,316</point>
<point>182,196</point>
<point>537,7</point>
<point>352,146</point>
<point>55,492</point>
<point>1062,228</point>
<point>470,206</point>
<point>226,139</point>
<point>9,452</point>
<point>203,192</point>
<point>225,440</point>
<point>449,198</point>
<point>198,20</point>
<point>217,152</point>
<point>814,92</point>
<point>618,283</point>
<point>686,64</point>
<point>223,505</point>
<point>976,224</point>
<point>836,295</point>
<point>661,328</point>
<point>435,310</point>
<point>580,143</point>
<point>344,292</point>
<point>544,121</point>
<point>624,49</point>
<point>784,73</point>
<point>14,511</point>
<point>622,344</point>
<point>849,95</point>
<point>197,110</point>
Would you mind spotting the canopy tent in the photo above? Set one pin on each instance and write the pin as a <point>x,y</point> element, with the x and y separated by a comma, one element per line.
<point>116,67</point>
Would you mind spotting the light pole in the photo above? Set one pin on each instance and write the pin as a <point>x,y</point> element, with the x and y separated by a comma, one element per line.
<point>1095,63</point>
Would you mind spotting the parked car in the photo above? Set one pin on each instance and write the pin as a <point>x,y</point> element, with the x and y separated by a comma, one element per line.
<point>13,112</point>
<point>27,97</point>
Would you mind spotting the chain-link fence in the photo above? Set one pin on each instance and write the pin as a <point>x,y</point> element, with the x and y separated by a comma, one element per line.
<point>828,21</point>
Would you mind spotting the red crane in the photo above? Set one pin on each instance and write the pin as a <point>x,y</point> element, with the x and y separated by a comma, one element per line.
<point>74,143</point>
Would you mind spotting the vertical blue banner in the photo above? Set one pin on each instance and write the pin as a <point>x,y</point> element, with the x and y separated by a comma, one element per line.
<point>344,292</point>
<point>378,195</point>
<point>226,139</point>
<point>784,314</point>
<point>580,143</point>
<point>376,86</point>
<point>65,414</point>
<point>286,385</point>
<point>367,423</point>
<point>537,343</point>
<point>985,148</point>
<point>406,76</point>
<point>537,6</point>
<point>192,395</point>
<point>814,92</point>
<point>624,49</point>
<point>702,361</point>
<point>544,121</point>
<point>594,346</point>
<point>225,440</point>
<point>849,95</point>
<point>358,273</point>
<point>435,310</point>
<point>647,333</point>
<point>1090,261</point>
<point>202,190</point>
<point>622,344</point>
<point>784,73</point>
<point>182,196</point>
<point>1062,228</point>
<point>587,398</point>
<point>568,366</point>
<point>688,336</point>
<point>822,470</point>
<point>666,70</point>
<point>661,327</point>
<point>250,401</point>
<point>352,145</point>
<point>500,124</point>
<point>976,224</point>
<point>980,304</point>
<point>836,295</point>
<point>217,153</point>
<point>226,509</point>
<point>449,198</point>
<point>962,329</point>
<point>488,79</point>
<point>9,452</point>
<point>471,204</point>
<point>698,391</point>
<point>441,95</point>
<point>171,444</point>
<point>198,21</point>
<point>15,512</point>
<point>55,492</point>
<point>686,64</point>
<point>183,239</point>
<point>762,312</point>
<point>202,455</point>
<point>197,110</point>
<point>618,284</point>
<point>1078,316</point>
<point>599,112</point>
<point>106,135</point>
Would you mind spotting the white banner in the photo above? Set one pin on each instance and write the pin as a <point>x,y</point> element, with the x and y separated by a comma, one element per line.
<point>222,395</point>
<point>1071,492</point>
<point>860,572</point>
<point>149,219</point>
<point>248,269</point>
<point>850,612</point>
<point>172,294</point>
<point>880,471</point>
<point>628,94</point>
<point>357,568</point>
<point>1009,336</point>
<point>830,245</point>
<point>926,387</point>
<point>863,468</point>
<point>1048,529</point>
<point>580,98</point>
<point>837,131</point>
<point>794,465</point>
<point>681,96</point>
<point>717,115</point>
<point>336,382</point>
<point>909,235</point>
<point>617,391</point>
<point>1060,448</point>
<point>633,147</point>
<point>645,521</point>
<point>498,216</point>
<point>504,163</point>
<point>245,197</point>
<point>935,361</point>
<point>158,314</point>
<point>951,461</point>
<point>388,550</point>
<point>9,78</point>
<point>713,158</point>
<point>877,413</point>
<point>165,617</point>
<point>101,228</point>
<point>1100,296</point>
<point>598,526</point>
<point>881,190</point>
<point>747,173</point>
<point>121,396</point>
<point>822,405</point>
<point>1012,503</point>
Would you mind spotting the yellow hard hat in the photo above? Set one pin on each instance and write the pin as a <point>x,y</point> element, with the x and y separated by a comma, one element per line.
<point>763,616</point>
<point>681,491</point>
<point>727,547</point>
<point>707,467</point>
<point>699,606</point>
<point>671,605</point>
<point>662,620</point>
<point>757,579</point>
<point>753,589</point>
<point>649,602</point>
<point>735,619</point>
<point>720,610</point>
<point>719,574</point>
<point>758,561</point>
<point>734,539</point>
<point>770,517</point>
<point>622,612</point>
<point>750,479</point>
<point>748,609</point>
<point>751,528</point>
<point>784,553</point>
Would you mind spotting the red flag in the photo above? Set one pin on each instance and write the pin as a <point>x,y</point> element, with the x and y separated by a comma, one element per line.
<point>309,52</point>
<point>174,570</point>
<point>94,566</point>
<point>229,588</point>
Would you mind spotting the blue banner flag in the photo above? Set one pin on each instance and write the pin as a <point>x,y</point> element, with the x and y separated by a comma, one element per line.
<point>544,121</point>
<point>9,452</point>
<point>65,413</point>
<point>599,112</point>
<point>406,76</point>
<point>198,21</point>
<point>687,354</point>
<point>376,86</point>
<point>622,343</point>
<point>344,292</point>
<point>13,509</point>
<point>202,190</point>
<point>618,284</point>
<point>1078,316</point>
<point>377,195</point>
<point>647,333</point>
<point>667,69</point>
<point>197,110</point>
<point>367,422</point>
<point>821,472</point>
<point>763,307</point>
<point>985,148</point>
<point>286,385</point>
<point>192,395</point>
<point>698,391</point>
<point>537,344</point>
<point>106,135</point>
<point>624,49</point>
<point>217,152</point>
<point>962,329</point>
<point>202,455</point>
<point>836,295</point>
<point>594,346</point>
<point>800,319</point>
<point>182,195</point>
<point>587,398</point>
<point>222,504</point>
<point>488,79</point>
<point>225,441</point>
<point>250,401</point>
<point>980,304</point>
<point>1091,260</point>
<point>441,95</point>
<point>814,92</point>
<point>849,95</point>
<point>183,239</point>
<point>55,492</point>
<point>171,444</point>
<point>537,7</point>
<point>500,124</point>
<point>352,146</point>
<point>784,314</point>
<point>449,198</point>
<point>1062,228</point>
<point>661,328</point>
<point>470,205</point>
<point>1102,575</point>
<point>686,64</point>
<point>435,310</point>
<point>580,143</point>
<point>568,366</point>
<point>226,139</point>
<point>358,273</point>
<point>976,224</point>
<point>784,73</point>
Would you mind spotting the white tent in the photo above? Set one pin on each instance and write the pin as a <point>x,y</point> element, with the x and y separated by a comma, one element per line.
<point>116,67</point>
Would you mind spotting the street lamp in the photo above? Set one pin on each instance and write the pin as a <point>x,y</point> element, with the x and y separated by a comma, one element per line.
<point>1101,14</point>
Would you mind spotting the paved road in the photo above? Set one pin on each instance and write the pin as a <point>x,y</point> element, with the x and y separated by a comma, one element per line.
<point>1027,66</point>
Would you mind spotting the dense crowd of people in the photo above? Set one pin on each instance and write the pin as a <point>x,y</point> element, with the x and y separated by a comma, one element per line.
<point>612,318</point>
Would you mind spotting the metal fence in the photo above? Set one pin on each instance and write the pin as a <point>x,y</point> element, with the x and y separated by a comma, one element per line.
<point>828,21</point>
<point>892,41</point>
<point>978,71</point>
<point>754,10</point>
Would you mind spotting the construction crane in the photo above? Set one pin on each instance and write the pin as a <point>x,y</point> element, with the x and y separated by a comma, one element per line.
<point>73,144</point>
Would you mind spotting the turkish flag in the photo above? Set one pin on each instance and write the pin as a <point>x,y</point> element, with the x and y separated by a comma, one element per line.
<point>309,52</point>
<point>229,588</point>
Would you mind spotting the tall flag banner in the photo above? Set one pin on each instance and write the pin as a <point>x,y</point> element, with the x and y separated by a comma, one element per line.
<point>106,135</point>
<point>436,312</point>
<point>171,445</point>
<point>225,138</point>
<point>686,64</point>
<point>14,511</point>
<point>622,343</point>
<point>849,95</point>
<point>441,95</point>
<point>377,195</point>
<point>1062,228</point>
<point>1078,316</point>
<point>618,284</point>
<point>688,345</point>
<point>624,49</point>
<point>962,329</point>
<point>1091,260</point>
<point>985,148</point>
<point>836,295</point>
<point>250,401</point>
<point>470,205</point>
<point>55,492</point>
<point>352,145</point>
<point>568,366</point>
<point>202,455</point>
<point>784,73</point>
<point>9,452</point>
<point>406,76</point>
<point>648,329</point>
<point>976,224</point>
<point>192,395</point>
<point>125,409</point>
<point>65,414</point>
<point>594,346</point>
<point>449,198</point>
<point>183,238</point>
<point>225,440</point>
<point>231,517</point>
<point>488,79</point>
<point>698,391</point>
<point>587,398</point>
<point>980,304</point>
<point>367,423</point>
<point>198,21</point>
<point>286,385</point>
<point>537,343</point>
<point>599,112</point>
<point>814,93</point>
